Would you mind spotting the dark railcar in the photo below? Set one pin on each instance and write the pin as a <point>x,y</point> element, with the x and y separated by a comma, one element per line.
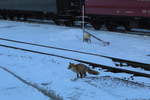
<point>42,9</point>
<point>26,8</point>
<point>29,5</point>
<point>129,13</point>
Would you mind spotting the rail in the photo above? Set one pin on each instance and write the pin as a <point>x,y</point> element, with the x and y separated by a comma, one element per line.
<point>135,64</point>
<point>109,68</point>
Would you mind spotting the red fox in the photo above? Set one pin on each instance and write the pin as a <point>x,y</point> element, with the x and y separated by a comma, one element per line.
<point>81,69</point>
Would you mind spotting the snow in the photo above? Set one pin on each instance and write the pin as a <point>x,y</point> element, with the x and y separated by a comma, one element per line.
<point>11,88</point>
<point>51,73</point>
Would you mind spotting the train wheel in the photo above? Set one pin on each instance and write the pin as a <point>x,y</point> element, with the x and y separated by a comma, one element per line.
<point>4,17</point>
<point>127,28</point>
<point>56,22</point>
<point>69,23</point>
<point>25,18</point>
<point>94,21</point>
<point>96,25</point>
<point>18,18</point>
<point>11,17</point>
<point>111,27</point>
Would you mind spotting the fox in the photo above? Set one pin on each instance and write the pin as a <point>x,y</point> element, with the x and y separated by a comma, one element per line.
<point>81,70</point>
<point>87,38</point>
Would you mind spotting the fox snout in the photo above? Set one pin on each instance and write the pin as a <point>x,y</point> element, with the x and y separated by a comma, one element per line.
<point>69,67</point>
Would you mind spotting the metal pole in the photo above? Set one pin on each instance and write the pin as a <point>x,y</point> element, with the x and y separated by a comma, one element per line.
<point>83,23</point>
<point>83,20</point>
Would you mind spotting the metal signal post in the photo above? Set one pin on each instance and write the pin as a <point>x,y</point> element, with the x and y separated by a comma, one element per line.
<point>83,16</point>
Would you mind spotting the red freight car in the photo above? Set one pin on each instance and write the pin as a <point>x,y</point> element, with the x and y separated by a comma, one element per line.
<point>129,13</point>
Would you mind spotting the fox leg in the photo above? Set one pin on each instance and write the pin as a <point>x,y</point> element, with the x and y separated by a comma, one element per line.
<point>81,75</point>
<point>89,40</point>
<point>78,75</point>
<point>84,74</point>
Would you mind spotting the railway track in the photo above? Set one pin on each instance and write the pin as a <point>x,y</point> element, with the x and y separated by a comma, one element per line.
<point>49,93</point>
<point>141,32</point>
<point>118,60</point>
<point>109,68</point>
<point>133,32</point>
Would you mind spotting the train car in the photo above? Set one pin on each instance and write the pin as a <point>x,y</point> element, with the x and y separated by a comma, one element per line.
<point>26,8</point>
<point>42,9</point>
<point>113,13</point>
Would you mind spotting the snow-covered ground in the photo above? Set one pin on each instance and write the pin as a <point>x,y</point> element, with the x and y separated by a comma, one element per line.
<point>51,73</point>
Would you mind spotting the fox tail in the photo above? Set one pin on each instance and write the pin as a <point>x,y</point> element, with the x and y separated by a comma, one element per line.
<point>90,71</point>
